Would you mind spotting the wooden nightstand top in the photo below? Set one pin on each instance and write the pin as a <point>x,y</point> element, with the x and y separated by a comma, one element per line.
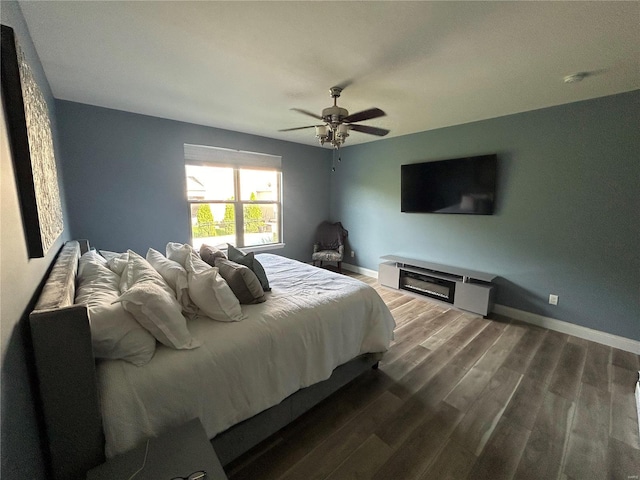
<point>176,453</point>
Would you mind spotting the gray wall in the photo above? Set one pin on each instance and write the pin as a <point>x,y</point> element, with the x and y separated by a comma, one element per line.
<point>20,277</point>
<point>568,216</point>
<point>125,178</point>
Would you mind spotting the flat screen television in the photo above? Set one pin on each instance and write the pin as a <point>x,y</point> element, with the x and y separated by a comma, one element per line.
<point>459,186</point>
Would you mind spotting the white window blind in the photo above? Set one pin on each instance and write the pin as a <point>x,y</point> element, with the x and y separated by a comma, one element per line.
<point>232,158</point>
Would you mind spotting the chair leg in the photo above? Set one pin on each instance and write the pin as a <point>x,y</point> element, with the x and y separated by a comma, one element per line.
<point>321,263</point>
<point>314,263</point>
<point>340,267</point>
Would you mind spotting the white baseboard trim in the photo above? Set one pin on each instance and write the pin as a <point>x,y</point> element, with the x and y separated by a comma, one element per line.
<point>579,331</point>
<point>361,270</point>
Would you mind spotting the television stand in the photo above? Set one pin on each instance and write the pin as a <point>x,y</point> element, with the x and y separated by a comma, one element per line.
<point>465,289</point>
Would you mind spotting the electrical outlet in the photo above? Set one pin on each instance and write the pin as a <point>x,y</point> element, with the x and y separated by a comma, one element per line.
<point>553,299</point>
<point>353,253</point>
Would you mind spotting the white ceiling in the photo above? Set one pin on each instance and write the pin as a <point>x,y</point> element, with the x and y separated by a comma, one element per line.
<point>242,65</point>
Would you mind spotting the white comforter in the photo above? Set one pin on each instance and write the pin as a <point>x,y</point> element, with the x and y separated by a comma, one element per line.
<point>312,321</point>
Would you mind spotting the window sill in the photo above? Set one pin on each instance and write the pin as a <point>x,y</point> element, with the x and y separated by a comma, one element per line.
<point>262,248</point>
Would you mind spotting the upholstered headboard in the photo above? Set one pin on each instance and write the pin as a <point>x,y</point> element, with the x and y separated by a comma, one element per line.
<point>66,372</point>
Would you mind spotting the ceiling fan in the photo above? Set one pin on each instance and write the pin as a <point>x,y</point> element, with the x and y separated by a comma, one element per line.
<point>338,122</point>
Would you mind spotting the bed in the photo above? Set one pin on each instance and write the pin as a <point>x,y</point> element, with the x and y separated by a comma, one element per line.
<point>316,332</point>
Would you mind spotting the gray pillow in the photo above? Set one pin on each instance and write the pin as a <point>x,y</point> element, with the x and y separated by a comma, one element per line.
<point>250,261</point>
<point>243,282</point>
<point>209,254</point>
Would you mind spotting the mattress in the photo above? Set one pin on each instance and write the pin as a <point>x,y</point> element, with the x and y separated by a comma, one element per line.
<point>313,321</point>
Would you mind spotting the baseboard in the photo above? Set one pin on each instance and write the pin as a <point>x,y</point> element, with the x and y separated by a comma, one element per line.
<point>361,270</point>
<point>579,331</point>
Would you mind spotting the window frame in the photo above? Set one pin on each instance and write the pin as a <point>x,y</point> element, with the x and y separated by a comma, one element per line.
<point>238,203</point>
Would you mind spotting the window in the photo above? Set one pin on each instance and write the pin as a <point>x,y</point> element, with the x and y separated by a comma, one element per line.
<point>234,197</point>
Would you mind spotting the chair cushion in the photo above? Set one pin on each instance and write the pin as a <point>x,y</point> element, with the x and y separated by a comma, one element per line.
<point>327,256</point>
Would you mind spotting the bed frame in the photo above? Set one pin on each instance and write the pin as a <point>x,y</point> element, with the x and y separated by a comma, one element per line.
<point>66,375</point>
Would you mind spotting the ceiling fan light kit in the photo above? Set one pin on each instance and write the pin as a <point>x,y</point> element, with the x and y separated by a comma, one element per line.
<point>338,122</point>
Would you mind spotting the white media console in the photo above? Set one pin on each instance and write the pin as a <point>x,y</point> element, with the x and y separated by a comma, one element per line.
<point>464,289</point>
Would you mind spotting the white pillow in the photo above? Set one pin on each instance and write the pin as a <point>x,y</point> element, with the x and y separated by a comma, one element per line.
<point>118,262</point>
<point>176,277</point>
<point>210,292</point>
<point>115,334</point>
<point>179,252</point>
<point>159,312</point>
<point>87,261</point>
<point>139,270</point>
<point>108,255</point>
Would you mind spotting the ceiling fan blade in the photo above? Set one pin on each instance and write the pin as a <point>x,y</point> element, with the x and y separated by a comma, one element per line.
<point>296,128</point>
<point>380,132</point>
<point>364,115</point>
<point>306,112</point>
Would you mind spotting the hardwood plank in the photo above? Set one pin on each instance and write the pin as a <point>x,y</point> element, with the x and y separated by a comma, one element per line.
<point>434,391</point>
<point>477,347</point>
<point>410,310</point>
<point>624,415</point>
<point>476,427</point>
<point>623,461</point>
<point>503,385</point>
<point>397,302</point>
<point>546,358</point>
<point>479,376</point>
<point>525,350</point>
<point>623,377</point>
<point>626,360</point>
<point>413,327</point>
<point>439,338</point>
<point>427,369</point>
<point>453,463</point>
<point>405,363</point>
<point>401,424</point>
<point>566,377</point>
<point>336,448</point>
<point>597,371</point>
<point>421,447</point>
<point>579,341</point>
<point>588,442</point>
<point>526,402</point>
<point>542,456</point>
<point>427,326</point>
<point>364,461</point>
<point>501,456</point>
<point>294,441</point>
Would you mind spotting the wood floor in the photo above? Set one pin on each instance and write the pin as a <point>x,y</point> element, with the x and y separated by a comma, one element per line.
<point>462,397</point>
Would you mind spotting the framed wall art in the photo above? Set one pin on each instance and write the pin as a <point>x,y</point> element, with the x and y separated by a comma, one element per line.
<point>29,129</point>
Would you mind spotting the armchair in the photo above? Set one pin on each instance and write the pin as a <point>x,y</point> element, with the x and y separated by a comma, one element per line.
<point>329,246</point>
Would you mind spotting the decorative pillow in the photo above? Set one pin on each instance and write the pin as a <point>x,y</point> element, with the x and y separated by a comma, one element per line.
<point>242,281</point>
<point>249,260</point>
<point>115,334</point>
<point>179,252</point>
<point>159,312</point>
<point>209,254</point>
<point>176,277</point>
<point>210,292</point>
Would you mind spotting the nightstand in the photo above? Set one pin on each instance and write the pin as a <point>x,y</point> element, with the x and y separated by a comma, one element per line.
<point>178,452</point>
